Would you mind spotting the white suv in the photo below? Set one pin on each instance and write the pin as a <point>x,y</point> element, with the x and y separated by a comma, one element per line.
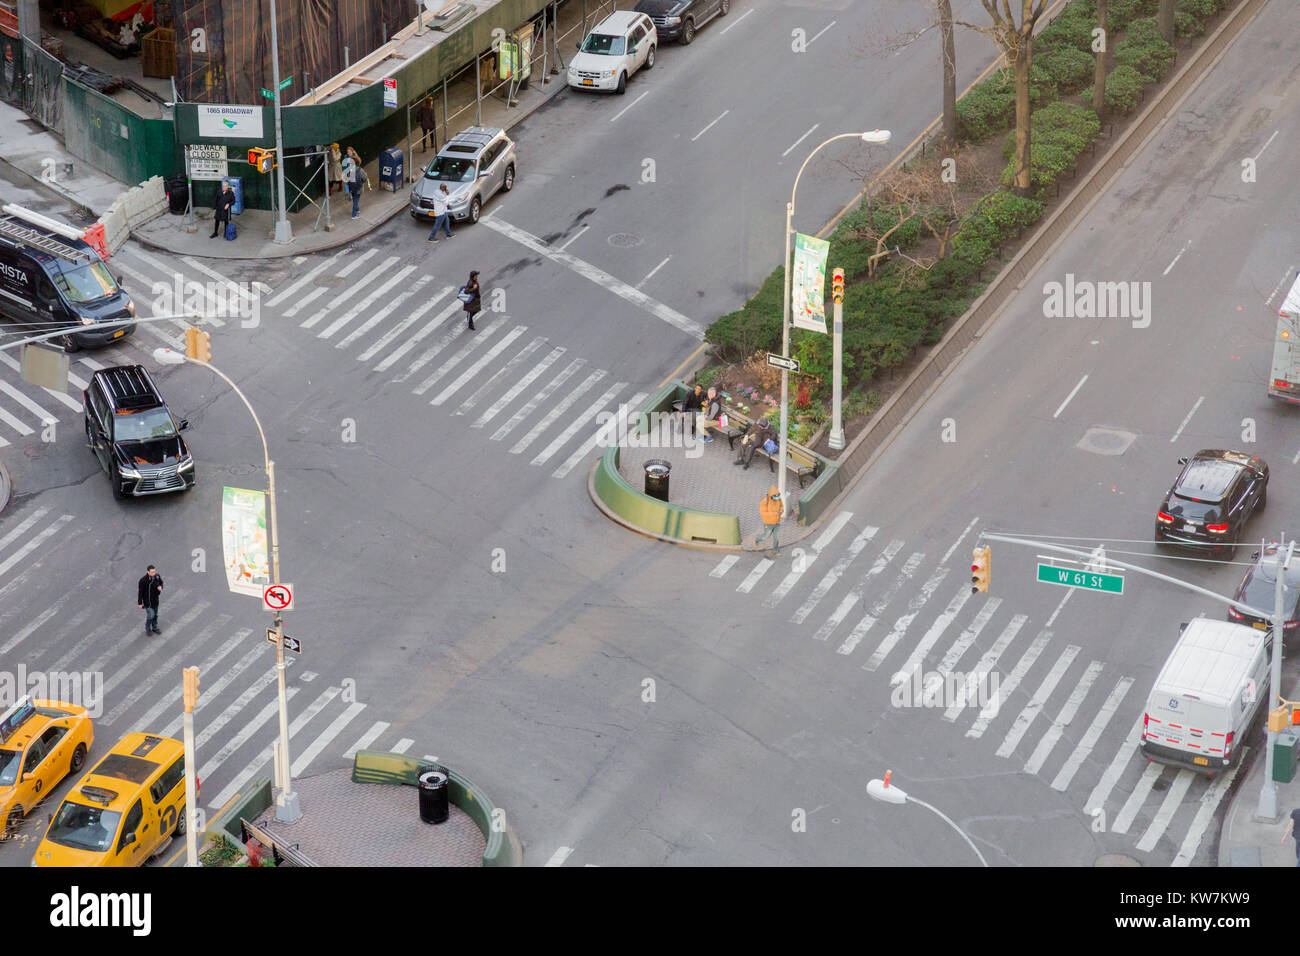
<point>620,45</point>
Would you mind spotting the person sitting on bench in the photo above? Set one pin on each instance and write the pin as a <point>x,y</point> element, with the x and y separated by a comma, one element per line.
<point>755,436</point>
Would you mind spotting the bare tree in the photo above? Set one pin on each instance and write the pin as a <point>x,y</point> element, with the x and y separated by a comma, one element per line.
<point>1099,75</point>
<point>1165,20</point>
<point>1016,41</point>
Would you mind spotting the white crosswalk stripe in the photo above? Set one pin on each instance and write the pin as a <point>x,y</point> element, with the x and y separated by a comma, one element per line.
<point>393,334</point>
<point>380,314</point>
<point>302,280</point>
<point>63,397</point>
<point>580,421</point>
<point>1036,703</point>
<point>211,690</point>
<point>854,597</point>
<point>28,547</point>
<point>940,624</point>
<point>1128,749</point>
<point>833,575</point>
<point>425,358</point>
<point>760,569</point>
<point>366,739</point>
<point>355,263</point>
<point>476,369</point>
<point>606,433</point>
<point>905,621</point>
<point>501,375</point>
<point>985,667</point>
<point>348,291</point>
<point>878,608</point>
<point>43,415</point>
<point>326,736</point>
<point>570,399</point>
<point>547,391</point>
<point>1072,704</point>
<point>170,669</point>
<point>1092,735</point>
<point>269,710</point>
<point>375,296</point>
<point>476,342</point>
<point>1008,686</point>
<point>1205,811</point>
<point>725,565</point>
<point>800,568</point>
<point>1137,798</point>
<point>1165,815</point>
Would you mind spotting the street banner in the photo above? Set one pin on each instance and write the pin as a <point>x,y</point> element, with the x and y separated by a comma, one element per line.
<point>225,121</point>
<point>244,541</point>
<point>808,283</point>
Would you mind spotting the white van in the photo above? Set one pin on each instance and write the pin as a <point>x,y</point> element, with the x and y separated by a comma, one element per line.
<point>1284,383</point>
<point>1207,693</point>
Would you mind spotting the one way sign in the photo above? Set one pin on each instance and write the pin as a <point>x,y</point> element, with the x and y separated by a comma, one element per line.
<point>290,643</point>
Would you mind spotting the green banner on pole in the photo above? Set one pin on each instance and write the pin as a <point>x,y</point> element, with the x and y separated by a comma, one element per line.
<point>244,542</point>
<point>808,283</point>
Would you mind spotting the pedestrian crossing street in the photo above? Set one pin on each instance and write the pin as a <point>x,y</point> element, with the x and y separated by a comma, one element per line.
<point>515,386</point>
<point>1075,722</point>
<point>140,676</point>
<point>536,395</point>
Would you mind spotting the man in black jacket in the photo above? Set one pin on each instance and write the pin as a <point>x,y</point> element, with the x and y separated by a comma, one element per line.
<point>221,209</point>
<point>757,433</point>
<point>147,591</point>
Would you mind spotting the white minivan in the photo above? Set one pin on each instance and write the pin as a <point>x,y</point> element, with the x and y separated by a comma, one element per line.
<point>1209,690</point>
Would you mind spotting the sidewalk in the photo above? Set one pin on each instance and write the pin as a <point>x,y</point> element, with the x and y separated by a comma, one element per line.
<point>1246,841</point>
<point>29,148</point>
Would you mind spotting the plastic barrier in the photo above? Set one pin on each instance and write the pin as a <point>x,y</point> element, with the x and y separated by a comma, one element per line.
<point>95,236</point>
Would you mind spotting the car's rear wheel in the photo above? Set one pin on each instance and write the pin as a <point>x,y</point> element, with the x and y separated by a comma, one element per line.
<point>180,823</point>
<point>508,183</point>
<point>650,59</point>
<point>688,31</point>
<point>475,208</point>
<point>622,84</point>
<point>78,759</point>
<point>70,343</point>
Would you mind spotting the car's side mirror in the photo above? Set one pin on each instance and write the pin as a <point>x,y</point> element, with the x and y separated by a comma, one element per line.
<point>482,173</point>
<point>1182,461</point>
<point>184,424</point>
<point>26,777</point>
<point>127,841</point>
<point>119,280</point>
<point>1182,627</point>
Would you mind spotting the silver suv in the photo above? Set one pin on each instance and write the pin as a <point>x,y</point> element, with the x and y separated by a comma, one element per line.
<point>474,165</point>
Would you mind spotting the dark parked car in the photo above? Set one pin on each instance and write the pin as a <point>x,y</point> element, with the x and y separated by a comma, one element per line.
<point>1259,589</point>
<point>679,19</point>
<point>1213,498</point>
<point>132,433</point>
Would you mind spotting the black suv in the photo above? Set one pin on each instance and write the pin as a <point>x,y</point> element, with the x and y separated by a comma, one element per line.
<point>1212,500</point>
<point>133,434</point>
<point>679,19</point>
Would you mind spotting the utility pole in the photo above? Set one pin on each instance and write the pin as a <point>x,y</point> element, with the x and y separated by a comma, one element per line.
<point>190,685</point>
<point>1268,809</point>
<point>283,229</point>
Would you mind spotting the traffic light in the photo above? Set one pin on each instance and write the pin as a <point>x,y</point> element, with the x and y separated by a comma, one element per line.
<point>979,568</point>
<point>262,160</point>
<point>837,285</point>
<point>1281,718</point>
<point>198,344</point>
<point>190,682</point>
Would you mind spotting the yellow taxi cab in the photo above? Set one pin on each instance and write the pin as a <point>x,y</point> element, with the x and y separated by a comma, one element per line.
<point>41,742</point>
<point>124,810</point>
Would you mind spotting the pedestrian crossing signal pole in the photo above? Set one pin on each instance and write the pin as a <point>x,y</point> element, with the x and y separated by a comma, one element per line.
<point>190,684</point>
<point>979,569</point>
<point>836,439</point>
<point>1268,808</point>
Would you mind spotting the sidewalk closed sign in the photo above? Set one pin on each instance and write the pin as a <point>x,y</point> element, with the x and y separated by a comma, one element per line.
<point>207,162</point>
<point>390,92</point>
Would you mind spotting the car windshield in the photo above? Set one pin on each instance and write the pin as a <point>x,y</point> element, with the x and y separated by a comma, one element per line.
<point>451,169</point>
<point>83,827</point>
<point>9,761</point>
<point>86,283</point>
<point>143,425</point>
<point>604,44</point>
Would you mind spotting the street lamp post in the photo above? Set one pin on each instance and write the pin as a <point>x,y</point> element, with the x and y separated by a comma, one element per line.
<point>283,229</point>
<point>1268,808</point>
<point>882,790</point>
<point>878,136</point>
<point>287,809</point>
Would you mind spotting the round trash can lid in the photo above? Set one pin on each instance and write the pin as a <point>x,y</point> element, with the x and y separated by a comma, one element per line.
<point>657,466</point>
<point>433,777</point>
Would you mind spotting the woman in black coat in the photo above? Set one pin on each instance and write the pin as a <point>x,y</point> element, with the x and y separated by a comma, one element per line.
<point>473,304</point>
<point>221,209</point>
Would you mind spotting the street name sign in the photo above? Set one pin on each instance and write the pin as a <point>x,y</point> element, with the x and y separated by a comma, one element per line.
<point>1088,580</point>
<point>780,361</point>
<point>290,643</point>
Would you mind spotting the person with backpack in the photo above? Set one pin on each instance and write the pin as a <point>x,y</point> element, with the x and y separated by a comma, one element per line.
<point>770,509</point>
<point>221,208</point>
<point>354,179</point>
<point>471,297</point>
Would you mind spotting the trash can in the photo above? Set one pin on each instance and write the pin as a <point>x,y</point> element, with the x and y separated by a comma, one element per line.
<point>656,478</point>
<point>1285,753</point>
<point>237,185</point>
<point>178,195</point>
<point>434,802</point>
<point>391,171</point>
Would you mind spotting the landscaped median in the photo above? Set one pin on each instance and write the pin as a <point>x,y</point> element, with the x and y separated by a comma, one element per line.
<point>616,496</point>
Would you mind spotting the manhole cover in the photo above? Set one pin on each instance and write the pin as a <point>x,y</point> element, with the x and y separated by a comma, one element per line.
<point>624,239</point>
<point>1106,441</point>
<point>331,282</point>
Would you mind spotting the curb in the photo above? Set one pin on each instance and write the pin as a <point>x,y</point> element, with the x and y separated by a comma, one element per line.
<point>6,486</point>
<point>385,220</point>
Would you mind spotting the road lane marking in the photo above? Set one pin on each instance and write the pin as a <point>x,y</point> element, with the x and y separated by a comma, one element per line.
<point>1056,730</point>
<point>1036,703</point>
<point>470,373</point>
<point>249,695</point>
<point>1187,419</point>
<point>796,572</point>
<point>854,596</point>
<point>1051,619</point>
<point>1101,793</point>
<point>629,106</point>
<point>791,147</point>
<point>63,397</point>
<point>531,405</point>
<point>356,263</point>
<point>710,126</point>
<point>869,619</point>
<point>735,21</point>
<point>653,271</point>
<point>1160,823</point>
<point>567,242</point>
<point>985,666</point>
<point>388,337</point>
<point>454,332</point>
<point>529,377</point>
<point>366,739</point>
<point>1010,684</point>
<point>1177,257</point>
<point>570,398</point>
<point>905,621</point>
<point>349,291</point>
<point>948,554</point>
<point>600,277</point>
<point>509,367</point>
<point>46,418</point>
<point>628,411</point>
<point>68,626</point>
<point>380,314</point>
<point>967,637</point>
<point>819,33</point>
<point>210,692</point>
<point>476,342</point>
<point>833,575</point>
<point>1265,146</point>
<point>936,630</point>
<point>327,735</point>
<point>559,856</point>
<point>1070,396</point>
<point>260,761</point>
<point>579,421</point>
<point>1209,805</point>
<point>760,569</point>
<point>1093,734</point>
<point>169,667</point>
<point>725,565</point>
<point>378,294</point>
<point>403,745</point>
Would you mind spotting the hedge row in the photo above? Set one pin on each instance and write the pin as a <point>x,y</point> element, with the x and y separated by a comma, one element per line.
<point>1145,50</point>
<point>1059,134</point>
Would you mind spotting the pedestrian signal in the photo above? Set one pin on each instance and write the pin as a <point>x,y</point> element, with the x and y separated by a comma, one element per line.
<point>262,160</point>
<point>979,568</point>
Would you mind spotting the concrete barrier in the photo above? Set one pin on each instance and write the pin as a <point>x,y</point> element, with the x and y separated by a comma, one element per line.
<point>116,230</point>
